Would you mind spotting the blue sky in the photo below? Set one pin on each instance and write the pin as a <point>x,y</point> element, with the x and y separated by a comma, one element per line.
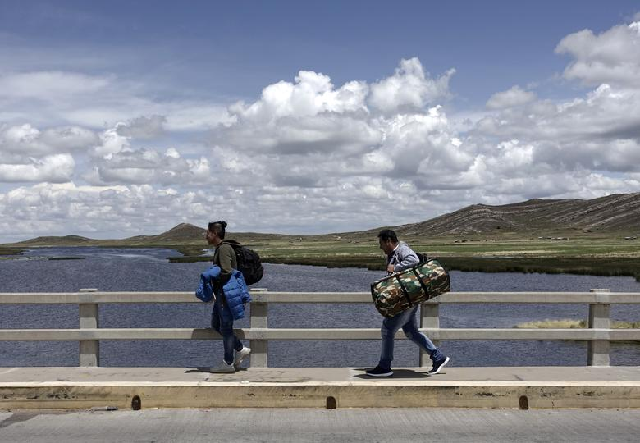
<point>119,118</point>
<point>233,49</point>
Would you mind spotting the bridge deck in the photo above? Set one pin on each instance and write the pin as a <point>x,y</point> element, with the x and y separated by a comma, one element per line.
<point>505,387</point>
<point>396,425</point>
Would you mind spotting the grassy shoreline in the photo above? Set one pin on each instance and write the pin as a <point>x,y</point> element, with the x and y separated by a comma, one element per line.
<point>578,266</point>
<point>11,251</point>
<point>573,324</point>
<point>579,324</point>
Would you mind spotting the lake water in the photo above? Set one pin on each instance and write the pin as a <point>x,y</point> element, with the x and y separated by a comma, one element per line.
<point>149,270</point>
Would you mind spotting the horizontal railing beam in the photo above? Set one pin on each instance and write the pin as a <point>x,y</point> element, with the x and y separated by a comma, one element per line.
<point>99,297</point>
<point>316,334</point>
<point>539,297</point>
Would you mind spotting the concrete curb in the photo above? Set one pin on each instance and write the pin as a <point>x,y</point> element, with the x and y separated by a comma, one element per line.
<point>320,395</point>
<point>135,388</point>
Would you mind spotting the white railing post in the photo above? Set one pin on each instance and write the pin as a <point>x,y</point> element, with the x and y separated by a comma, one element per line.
<point>429,318</point>
<point>258,316</point>
<point>599,318</point>
<point>89,349</point>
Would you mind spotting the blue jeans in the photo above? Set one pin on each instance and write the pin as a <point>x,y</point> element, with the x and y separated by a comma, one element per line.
<point>408,321</point>
<point>222,322</point>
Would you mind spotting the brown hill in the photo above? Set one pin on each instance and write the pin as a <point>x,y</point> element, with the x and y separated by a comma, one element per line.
<point>64,240</point>
<point>181,233</point>
<point>613,213</point>
<point>188,233</point>
<point>184,233</point>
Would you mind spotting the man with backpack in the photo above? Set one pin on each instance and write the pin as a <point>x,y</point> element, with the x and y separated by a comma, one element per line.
<point>227,306</point>
<point>399,258</point>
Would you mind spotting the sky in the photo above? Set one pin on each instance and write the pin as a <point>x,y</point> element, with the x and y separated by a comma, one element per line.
<point>122,118</point>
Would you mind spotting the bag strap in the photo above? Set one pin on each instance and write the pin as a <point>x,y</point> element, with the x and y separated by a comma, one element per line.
<point>424,287</point>
<point>404,290</point>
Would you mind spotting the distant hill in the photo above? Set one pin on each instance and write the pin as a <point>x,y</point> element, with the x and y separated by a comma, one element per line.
<point>181,233</point>
<point>184,233</point>
<point>65,240</point>
<point>188,233</point>
<point>613,213</point>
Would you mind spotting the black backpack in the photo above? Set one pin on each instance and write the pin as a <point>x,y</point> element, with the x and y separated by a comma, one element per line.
<point>422,258</point>
<point>248,262</point>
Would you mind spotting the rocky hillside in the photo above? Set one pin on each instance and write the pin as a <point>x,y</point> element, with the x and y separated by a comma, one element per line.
<point>613,213</point>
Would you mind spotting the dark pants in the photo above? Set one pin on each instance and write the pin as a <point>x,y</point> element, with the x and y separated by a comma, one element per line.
<point>222,322</point>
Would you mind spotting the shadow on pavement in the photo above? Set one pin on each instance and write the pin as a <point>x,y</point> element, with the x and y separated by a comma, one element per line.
<point>397,374</point>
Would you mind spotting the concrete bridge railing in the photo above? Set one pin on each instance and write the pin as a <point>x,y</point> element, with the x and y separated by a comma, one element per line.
<point>599,334</point>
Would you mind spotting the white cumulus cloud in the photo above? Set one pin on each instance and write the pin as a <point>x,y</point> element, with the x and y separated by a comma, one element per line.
<point>143,127</point>
<point>515,96</point>
<point>149,166</point>
<point>611,57</point>
<point>31,141</point>
<point>57,168</point>
<point>409,89</point>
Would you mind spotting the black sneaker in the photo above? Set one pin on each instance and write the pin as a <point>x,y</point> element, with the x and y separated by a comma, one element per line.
<point>379,372</point>
<point>438,365</point>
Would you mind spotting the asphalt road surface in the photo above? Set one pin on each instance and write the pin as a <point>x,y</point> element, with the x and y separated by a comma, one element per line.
<point>317,425</point>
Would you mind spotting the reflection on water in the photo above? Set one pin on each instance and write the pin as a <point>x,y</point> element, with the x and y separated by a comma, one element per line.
<point>149,270</point>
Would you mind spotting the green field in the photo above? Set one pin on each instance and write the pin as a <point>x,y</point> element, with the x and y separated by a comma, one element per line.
<point>583,255</point>
<point>10,251</point>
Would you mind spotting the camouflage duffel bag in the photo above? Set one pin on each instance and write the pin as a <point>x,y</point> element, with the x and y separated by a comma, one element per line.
<point>403,290</point>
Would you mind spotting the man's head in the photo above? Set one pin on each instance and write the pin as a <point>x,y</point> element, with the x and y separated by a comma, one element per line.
<point>388,240</point>
<point>216,232</point>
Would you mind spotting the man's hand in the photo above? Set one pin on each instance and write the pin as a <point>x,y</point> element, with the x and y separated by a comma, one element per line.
<point>390,268</point>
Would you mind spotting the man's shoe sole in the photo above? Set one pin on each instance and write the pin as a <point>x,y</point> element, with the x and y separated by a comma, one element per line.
<point>384,374</point>
<point>441,366</point>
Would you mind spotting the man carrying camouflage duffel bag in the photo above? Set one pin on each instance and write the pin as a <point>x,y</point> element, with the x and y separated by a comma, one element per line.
<point>398,296</point>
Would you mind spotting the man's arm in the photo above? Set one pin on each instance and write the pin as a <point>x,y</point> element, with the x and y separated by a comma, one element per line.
<point>226,259</point>
<point>405,261</point>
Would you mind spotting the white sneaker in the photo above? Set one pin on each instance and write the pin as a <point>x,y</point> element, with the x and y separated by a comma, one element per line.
<point>223,368</point>
<point>240,356</point>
